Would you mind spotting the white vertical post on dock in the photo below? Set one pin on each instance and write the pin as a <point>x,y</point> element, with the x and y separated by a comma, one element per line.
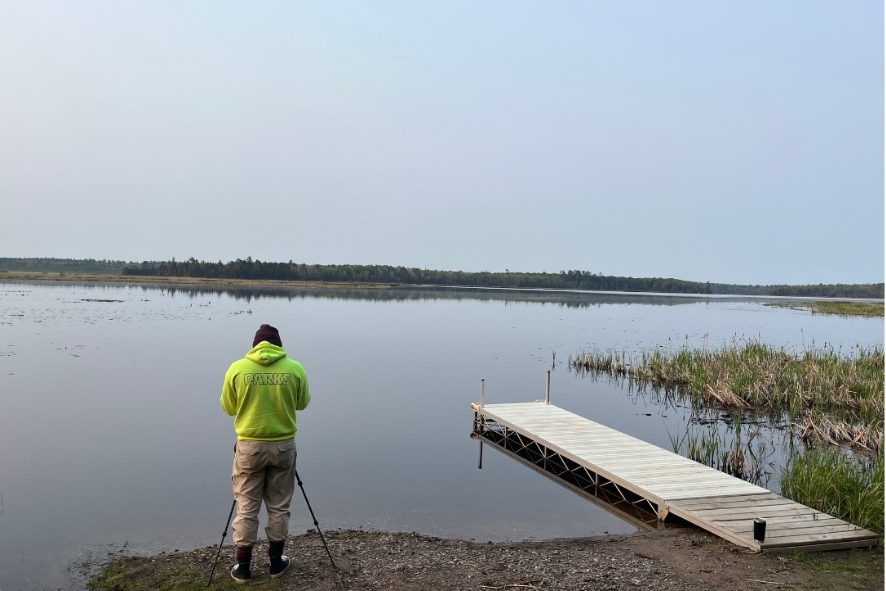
<point>548,389</point>
<point>482,402</point>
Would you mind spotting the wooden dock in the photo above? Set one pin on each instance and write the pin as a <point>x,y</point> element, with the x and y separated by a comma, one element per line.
<point>596,461</point>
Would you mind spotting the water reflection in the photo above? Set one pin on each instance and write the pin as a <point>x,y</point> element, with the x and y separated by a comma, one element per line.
<point>566,298</point>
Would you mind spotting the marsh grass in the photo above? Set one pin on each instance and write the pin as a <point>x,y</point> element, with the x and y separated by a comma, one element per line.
<point>836,398</point>
<point>867,309</point>
<point>848,487</point>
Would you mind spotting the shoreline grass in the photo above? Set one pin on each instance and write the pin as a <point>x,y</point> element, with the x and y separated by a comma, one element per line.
<point>838,308</point>
<point>848,488</point>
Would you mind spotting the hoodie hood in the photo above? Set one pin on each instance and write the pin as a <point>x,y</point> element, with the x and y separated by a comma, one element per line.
<point>265,353</point>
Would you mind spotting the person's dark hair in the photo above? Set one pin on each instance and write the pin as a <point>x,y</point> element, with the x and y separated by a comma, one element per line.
<point>266,332</point>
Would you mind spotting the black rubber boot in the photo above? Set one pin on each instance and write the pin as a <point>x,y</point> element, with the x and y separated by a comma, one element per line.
<point>279,563</point>
<point>241,572</point>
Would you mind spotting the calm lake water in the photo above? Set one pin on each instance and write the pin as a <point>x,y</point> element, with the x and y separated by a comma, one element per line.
<point>111,432</point>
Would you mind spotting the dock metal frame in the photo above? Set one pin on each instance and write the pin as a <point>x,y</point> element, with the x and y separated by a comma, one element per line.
<point>579,479</point>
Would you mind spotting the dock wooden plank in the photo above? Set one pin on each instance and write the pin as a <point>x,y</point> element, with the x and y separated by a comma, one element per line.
<point>773,521</point>
<point>713,500</point>
<point>776,529</point>
<point>751,512</point>
<point>821,546</point>
<point>778,534</point>
<point>806,540</point>
<point>663,477</point>
<point>734,501</point>
<point>763,501</point>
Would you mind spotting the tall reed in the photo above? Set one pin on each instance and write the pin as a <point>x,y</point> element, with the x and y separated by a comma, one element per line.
<point>850,488</point>
<point>732,452</point>
<point>810,386</point>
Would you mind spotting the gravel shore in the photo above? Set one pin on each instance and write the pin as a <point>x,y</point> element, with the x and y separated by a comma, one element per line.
<point>684,559</point>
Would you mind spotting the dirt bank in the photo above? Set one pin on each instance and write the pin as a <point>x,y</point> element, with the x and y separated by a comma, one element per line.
<point>670,560</point>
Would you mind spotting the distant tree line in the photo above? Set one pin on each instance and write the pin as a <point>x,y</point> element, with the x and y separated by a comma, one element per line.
<point>51,265</point>
<point>822,290</point>
<point>253,269</point>
<point>584,280</point>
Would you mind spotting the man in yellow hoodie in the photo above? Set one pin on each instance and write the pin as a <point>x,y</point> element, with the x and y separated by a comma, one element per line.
<point>263,391</point>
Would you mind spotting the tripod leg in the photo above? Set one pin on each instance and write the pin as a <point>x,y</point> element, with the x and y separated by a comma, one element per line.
<point>317,525</point>
<point>217,554</point>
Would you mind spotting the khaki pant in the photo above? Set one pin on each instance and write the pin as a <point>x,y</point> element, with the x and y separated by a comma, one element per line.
<point>263,471</point>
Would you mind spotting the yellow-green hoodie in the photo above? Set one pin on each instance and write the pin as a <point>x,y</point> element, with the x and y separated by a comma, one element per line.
<point>263,391</point>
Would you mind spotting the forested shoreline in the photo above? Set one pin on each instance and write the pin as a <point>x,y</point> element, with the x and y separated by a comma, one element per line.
<point>249,269</point>
<point>56,265</point>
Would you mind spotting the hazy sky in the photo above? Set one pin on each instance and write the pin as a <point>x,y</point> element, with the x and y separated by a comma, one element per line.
<point>714,141</point>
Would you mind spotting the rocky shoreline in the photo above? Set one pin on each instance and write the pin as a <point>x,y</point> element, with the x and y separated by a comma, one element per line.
<point>684,559</point>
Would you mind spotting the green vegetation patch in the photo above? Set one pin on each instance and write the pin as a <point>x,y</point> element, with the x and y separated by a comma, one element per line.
<point>849,488</point>
<point>161,574</point>
<point>867,309</point>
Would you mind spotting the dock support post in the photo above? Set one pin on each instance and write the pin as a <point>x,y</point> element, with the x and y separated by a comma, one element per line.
<point>548,389</point>
<point>482,402</point>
